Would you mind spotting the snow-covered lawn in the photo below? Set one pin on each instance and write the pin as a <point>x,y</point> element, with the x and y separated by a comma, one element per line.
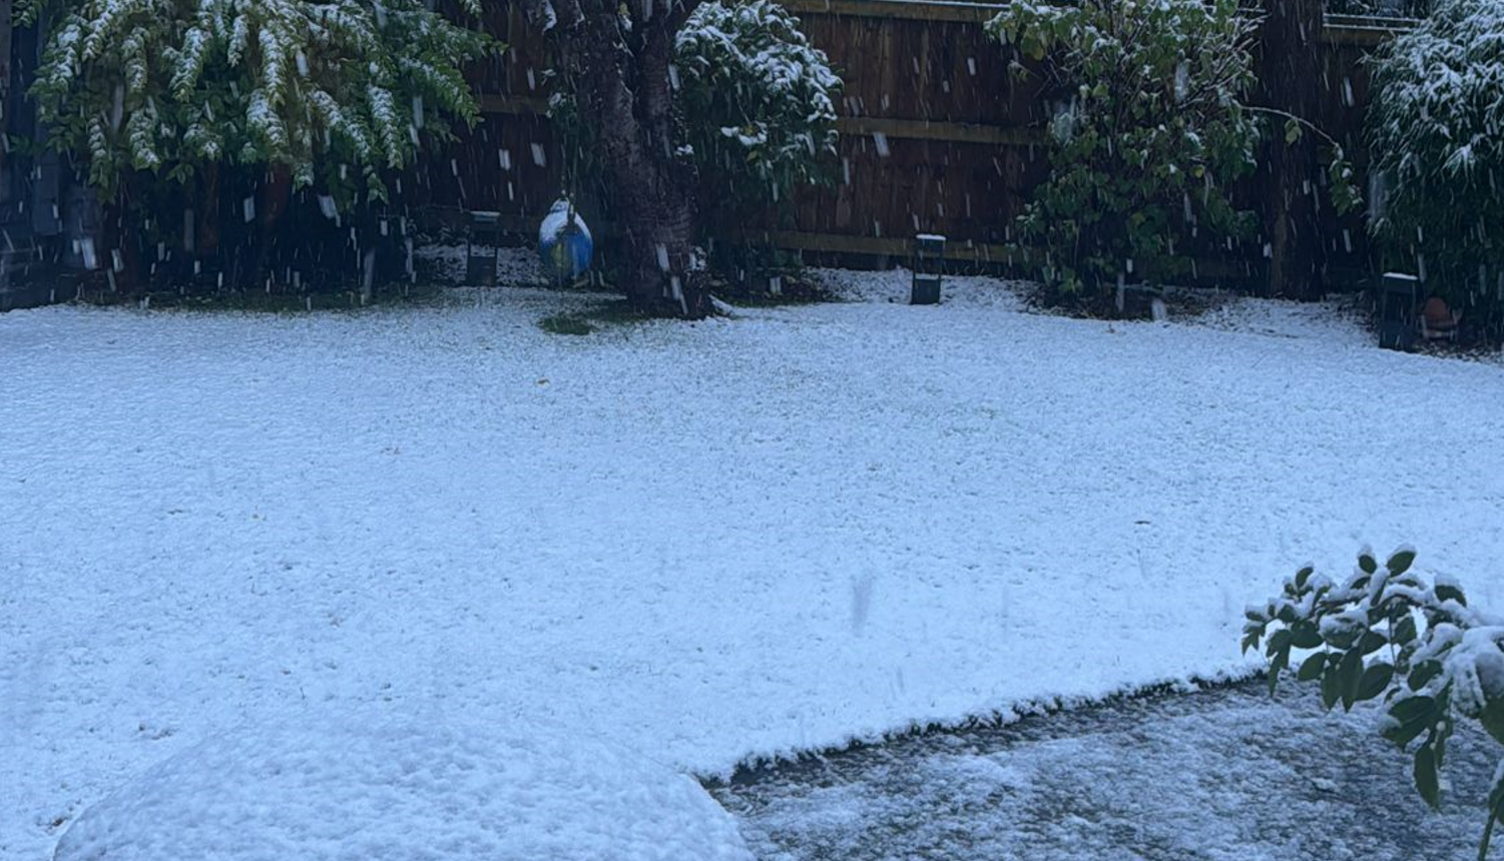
<point>701,542</point>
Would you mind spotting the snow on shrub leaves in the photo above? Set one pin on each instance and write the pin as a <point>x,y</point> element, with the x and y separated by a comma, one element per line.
<point>1385,632</point>
<point>756,102</point>
<point>1436,129</point>
<point>322,88</point>
<point>758,99</point>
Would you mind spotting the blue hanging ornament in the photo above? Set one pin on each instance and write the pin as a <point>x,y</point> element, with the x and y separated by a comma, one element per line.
<point>564,242</point>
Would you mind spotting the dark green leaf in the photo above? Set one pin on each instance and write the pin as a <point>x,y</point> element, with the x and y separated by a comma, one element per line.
<point>1331,691</point>
<point>1367,563</point>
<point>1450,593</point>
<point>1492,718</point>
<point>1279,641</point>
<point>1405,733</point>
<point>1400,561</point>
<point>1303,575</point>
<point>1342,638</point>
<point>1310,668</point>
<point>1412,709</point>
<point>1371,642</point>
<point>1404,630</point>
<point>1303,635</point>
<point>1427,781</point>
<point>1423,673</point>
<point>1411,718</point>
<point>1375,681</point>
<point>1349,674</point>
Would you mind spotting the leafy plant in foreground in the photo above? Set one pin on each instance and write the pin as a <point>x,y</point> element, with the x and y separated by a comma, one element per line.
<point>1387,633</point>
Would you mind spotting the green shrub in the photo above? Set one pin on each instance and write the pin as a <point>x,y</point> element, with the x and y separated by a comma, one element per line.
<point>1387,633</point>
<point>335,92</point>
<point>756,109</point>
<point>758,100</point>
<point>1154,131</point>
<point>1436,130</point>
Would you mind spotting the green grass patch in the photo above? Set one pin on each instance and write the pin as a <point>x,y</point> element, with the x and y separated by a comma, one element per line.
<point>566,324</point>
<point>593,318</point>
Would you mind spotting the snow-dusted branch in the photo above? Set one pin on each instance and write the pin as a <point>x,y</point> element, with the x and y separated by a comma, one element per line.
<point>1445,658</point>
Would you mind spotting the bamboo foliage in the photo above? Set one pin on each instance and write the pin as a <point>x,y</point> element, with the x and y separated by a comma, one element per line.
<point>336,92</point>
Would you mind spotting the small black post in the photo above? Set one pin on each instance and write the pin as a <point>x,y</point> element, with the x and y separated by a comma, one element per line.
<point>483,249</point>
<point>929,263</point>
<point>1398,296</point>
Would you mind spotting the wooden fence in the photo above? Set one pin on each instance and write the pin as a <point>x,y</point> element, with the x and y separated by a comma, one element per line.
<point>936,135</point>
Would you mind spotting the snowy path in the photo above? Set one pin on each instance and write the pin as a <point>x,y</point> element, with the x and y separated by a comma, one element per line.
<point>1218,776</point>
<point>712,541</point>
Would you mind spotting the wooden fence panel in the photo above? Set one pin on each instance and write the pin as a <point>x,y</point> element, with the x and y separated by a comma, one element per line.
<point>938,135</point>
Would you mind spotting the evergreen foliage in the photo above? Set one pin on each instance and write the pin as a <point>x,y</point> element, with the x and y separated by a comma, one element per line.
<point>1436,130</point>
<point>1154,131</point>
<point>1152,134</point>
<point>1387,633</point>
<point>755,106</point>
<point>337,92</point>
<point>758,100</point>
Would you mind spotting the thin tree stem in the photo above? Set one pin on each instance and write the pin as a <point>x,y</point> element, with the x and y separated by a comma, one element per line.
<point>1299,120</point>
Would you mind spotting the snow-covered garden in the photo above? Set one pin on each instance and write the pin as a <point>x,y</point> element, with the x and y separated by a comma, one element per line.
<point>516,570</point>
<point>693,545</point>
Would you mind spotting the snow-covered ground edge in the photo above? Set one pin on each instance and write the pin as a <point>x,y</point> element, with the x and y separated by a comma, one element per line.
<point>1002,715</point>
<point>1338,318</point>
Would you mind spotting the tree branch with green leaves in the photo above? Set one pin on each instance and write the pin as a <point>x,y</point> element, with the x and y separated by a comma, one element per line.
<point>1388,633</point>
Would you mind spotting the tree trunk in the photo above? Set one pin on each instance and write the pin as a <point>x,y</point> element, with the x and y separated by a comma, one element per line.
<point>275,196</point>
<point>1291,72</point>
<point>622,92</point>
<point>206,235</point>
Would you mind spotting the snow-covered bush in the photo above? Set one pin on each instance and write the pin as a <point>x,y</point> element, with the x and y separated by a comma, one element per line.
<point>1153,133</point>
<point>1436,130</point>
<point>755,105</point>
<point>758,100</point>
<point>1386,632</point>
<point>336,92</point>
